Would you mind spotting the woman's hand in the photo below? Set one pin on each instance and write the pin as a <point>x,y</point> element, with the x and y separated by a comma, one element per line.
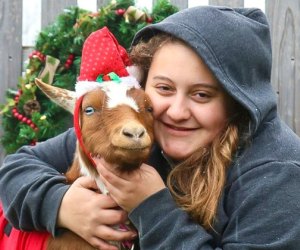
<point>129,189</point>
<point>91,215</point>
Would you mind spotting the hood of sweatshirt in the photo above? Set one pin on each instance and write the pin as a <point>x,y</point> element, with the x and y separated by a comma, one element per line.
<point>236,46</point>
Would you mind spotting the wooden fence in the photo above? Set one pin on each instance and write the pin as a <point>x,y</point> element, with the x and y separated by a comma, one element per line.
<point>283,16</point>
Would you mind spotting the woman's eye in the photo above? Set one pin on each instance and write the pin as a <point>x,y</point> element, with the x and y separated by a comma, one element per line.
<point>164,89</point>
<point>89,110</point>
<point>201,96</point>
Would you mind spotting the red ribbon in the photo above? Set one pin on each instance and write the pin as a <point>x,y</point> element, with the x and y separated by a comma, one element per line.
<point>78,129</point>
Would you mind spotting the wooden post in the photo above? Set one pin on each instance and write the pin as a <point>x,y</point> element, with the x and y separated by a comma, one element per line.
<point>231,3</point>
<point>284,19</point>
<point>101,3</point>
<point>181,4</point>
<point>51,9</point>
<point>10,49</point>
<point>10,44</point>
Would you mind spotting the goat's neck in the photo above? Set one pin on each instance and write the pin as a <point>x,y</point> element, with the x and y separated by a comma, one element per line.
<point>85,170</point>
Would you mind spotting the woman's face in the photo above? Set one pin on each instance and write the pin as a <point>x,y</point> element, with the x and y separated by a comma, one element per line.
<point>190,107</point>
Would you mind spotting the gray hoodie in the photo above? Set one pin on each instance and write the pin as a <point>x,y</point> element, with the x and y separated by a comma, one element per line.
<point>260,205</point>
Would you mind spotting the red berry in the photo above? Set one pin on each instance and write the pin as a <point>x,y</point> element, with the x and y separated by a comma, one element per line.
<point>120,12</point>
<point>149,20</point>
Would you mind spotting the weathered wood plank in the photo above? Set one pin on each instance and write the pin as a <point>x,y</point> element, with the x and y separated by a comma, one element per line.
<point>284,18</point>
<point>101,3</point>
<point>231,3</point>
<point>27,50</point>
<point>50,9</point>
<point>181,4</point>
<point>10,43</point>
<point>10,48</point>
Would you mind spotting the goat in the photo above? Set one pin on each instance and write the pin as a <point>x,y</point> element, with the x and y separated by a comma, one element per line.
<point>116,123</point>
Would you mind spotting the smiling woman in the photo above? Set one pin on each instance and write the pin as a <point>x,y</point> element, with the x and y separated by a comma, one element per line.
<point>213,120</point>
<point>192,111</point>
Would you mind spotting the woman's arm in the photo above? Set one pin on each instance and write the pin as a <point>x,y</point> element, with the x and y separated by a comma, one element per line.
<point>32,184</point>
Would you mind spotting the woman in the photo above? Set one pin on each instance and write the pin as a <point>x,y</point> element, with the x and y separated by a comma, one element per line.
<point>224,173</point>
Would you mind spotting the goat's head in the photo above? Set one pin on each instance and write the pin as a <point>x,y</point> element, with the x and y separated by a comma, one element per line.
<point>115,122</point>
<point>121,132</point>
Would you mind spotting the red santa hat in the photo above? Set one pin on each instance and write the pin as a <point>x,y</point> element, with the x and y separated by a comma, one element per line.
<point>104,61</point>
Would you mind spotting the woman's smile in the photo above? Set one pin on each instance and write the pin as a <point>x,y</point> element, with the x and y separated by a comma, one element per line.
<point>177,130</point>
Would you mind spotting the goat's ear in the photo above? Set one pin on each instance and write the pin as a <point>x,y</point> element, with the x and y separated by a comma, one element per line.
<point>62,97</point>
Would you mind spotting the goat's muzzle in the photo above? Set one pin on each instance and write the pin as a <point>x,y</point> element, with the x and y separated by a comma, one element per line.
<point>132,136</point>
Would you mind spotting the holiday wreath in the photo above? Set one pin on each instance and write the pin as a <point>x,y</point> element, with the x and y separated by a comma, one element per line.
<point>29,116</point>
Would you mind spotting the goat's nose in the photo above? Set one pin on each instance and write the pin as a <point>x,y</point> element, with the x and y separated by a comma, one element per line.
<point>134,132</point>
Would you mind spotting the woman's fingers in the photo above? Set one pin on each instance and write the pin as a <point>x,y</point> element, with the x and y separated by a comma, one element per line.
<point>113,217</point>
<point>86,182</point>
<point>103,163</point>
<point>102,244</point>
<point>114,234</point>
<point>108,236</point>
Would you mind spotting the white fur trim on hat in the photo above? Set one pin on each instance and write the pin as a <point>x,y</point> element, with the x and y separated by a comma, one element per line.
<point>83,87</point>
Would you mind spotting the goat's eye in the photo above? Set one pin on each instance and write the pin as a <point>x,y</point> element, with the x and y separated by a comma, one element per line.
<point>149,109</point>
<point>89,110</point>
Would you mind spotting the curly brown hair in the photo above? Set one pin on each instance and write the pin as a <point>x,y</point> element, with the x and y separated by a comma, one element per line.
<point>142,54</point>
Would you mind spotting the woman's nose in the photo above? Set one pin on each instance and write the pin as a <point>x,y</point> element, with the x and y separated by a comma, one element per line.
<point>179,109</point>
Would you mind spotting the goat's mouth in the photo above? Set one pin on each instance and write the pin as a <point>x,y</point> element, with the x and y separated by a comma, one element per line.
<point>123,141</point>
<point>131,148</point>
<point>127,151</point>
<point>126,158</point>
